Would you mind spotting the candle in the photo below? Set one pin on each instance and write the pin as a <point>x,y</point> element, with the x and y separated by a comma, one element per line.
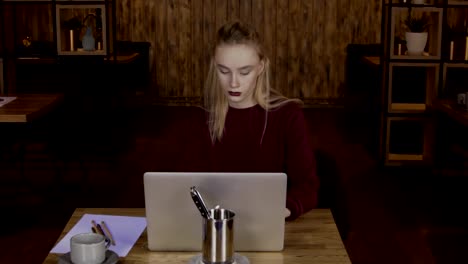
<point>72,47</point>
<point>399,48</point>
<point>99,46</point>
<point>451,50</point>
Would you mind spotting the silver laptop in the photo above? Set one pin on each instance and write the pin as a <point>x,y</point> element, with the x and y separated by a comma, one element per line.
<point>175,224</point>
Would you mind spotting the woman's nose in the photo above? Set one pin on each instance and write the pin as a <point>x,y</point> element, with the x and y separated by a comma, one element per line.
<point>234,80</point>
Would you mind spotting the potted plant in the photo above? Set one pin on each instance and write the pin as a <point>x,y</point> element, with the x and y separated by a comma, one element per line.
<point>416,36</point>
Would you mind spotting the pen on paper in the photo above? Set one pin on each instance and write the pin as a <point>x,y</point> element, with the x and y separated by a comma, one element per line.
<point>108,232</point>
<point>93,229</point>
<point>96,227</point>
<point>101,231</point>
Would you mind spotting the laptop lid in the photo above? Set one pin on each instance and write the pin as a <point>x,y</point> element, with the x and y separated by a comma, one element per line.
<point>175,224</point>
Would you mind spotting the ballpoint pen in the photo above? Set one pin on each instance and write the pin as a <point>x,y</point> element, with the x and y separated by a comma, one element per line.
<point>108,233</point>
<point>198,200</point>
<point>95,227</point>
<point>99,230</point>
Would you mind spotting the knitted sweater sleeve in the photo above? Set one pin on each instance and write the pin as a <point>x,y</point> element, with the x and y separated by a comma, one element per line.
<point>300,168</point>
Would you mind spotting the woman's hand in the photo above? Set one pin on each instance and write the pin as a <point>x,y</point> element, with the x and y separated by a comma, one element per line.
<point>287,213</point>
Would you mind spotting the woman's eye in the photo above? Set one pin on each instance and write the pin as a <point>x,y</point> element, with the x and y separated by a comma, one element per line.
<point>223,71</point>
<point>245,72</point>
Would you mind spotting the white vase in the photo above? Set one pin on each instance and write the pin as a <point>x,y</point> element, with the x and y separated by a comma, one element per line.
<point>88,40</point>
<point>416,42</point>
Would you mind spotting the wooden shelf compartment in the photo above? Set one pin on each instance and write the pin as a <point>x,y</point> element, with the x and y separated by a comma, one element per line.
<point>411,86</point>
<point>69,40</point>
<point>408,139</point>
<point>397,33</point>
<point>454,80</point>
<point>455,43</point>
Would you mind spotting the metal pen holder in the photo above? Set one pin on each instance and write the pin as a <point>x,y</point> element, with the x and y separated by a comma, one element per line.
<point>218,237</point>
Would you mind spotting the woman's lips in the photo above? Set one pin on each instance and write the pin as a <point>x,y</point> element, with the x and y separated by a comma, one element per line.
<point>234,93</point>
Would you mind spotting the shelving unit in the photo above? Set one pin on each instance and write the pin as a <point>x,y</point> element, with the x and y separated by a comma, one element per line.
<point>53,32</point>
<point>411,83</point>
<point>398,49</point>
<point>409,140</point>
<point>411,86</point>
<point>68,39</point>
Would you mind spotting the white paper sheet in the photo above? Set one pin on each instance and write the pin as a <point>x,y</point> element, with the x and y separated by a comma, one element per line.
<point>125,229</point>
<point>6,99</point>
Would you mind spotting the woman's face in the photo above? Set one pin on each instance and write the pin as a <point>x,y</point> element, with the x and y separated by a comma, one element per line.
<point>238,66</point>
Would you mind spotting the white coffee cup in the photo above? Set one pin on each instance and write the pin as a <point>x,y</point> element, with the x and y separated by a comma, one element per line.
<point>88,248</point>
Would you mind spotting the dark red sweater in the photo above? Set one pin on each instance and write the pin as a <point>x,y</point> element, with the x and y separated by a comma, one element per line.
<point>285,147</point>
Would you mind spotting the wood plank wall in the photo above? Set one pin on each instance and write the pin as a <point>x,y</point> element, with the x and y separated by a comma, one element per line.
<point>306,41</point>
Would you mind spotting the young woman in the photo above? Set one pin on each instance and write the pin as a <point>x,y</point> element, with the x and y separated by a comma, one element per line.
<point>250,126</point>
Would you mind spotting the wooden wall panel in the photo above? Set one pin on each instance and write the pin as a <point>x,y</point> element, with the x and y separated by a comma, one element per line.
<point>198,58</point>
<point>209,18</point>
<point>172,88</point>
<point>221,13</point>
<point>185,48</point>
<point>123,10</point>
<point>35,21</point>
<point>258,20</point>
<point>309,75</point>
<point>305,39</point>
<point>294,32</point>
<point>159,69</point>
<point>245,10</point>
<point>322,50</point>
<point>280,77</point>
<point>269,32</point>
<point>233,12</point>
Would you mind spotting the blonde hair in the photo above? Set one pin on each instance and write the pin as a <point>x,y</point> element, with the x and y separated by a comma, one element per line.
<point>216,102</point>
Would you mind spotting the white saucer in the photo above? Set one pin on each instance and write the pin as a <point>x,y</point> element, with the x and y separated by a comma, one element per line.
<point>238,259</point>
<point>111,258</point>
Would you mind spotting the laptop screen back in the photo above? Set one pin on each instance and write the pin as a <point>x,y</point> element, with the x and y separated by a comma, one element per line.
<point>175,224</point>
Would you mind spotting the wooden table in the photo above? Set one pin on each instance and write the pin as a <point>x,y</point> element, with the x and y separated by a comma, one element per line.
<point>27,107</point>
<point>312,238</point>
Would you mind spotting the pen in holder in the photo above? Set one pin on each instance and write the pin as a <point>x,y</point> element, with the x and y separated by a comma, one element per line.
<point>218,234</point>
